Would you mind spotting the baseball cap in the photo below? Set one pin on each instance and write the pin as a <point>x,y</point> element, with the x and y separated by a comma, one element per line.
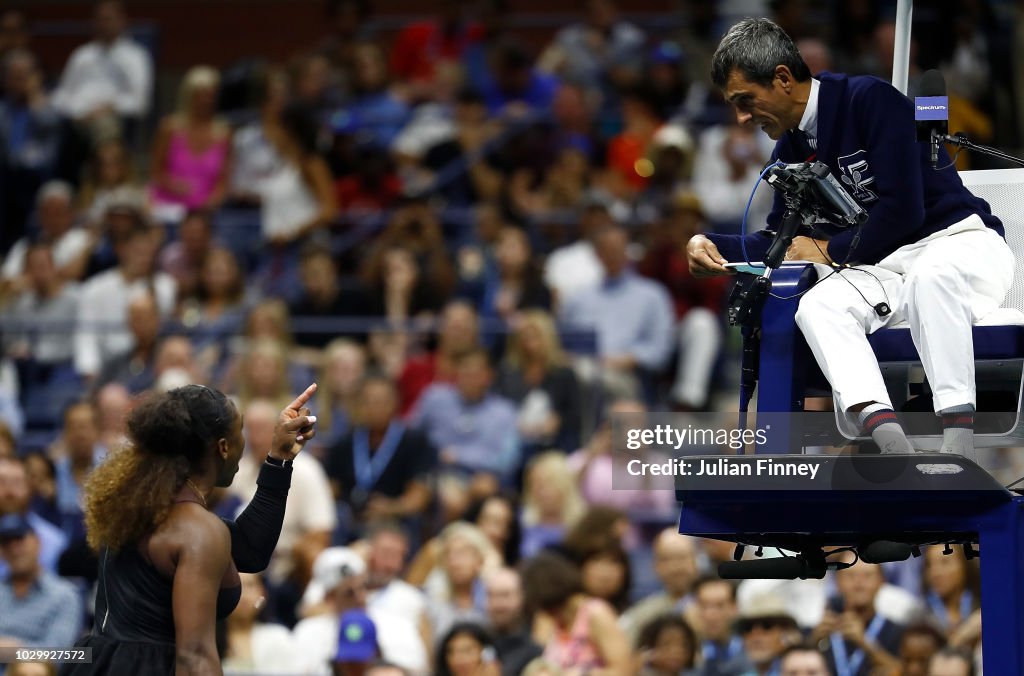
<point>357,638</point>
<point>332,566</point>
<point>13,526</point>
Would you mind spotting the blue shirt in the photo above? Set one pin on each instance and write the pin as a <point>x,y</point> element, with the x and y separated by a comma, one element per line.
<point>482,434</point>
<point>51,614</point>
<point>630,314</point>
<point>866,135</point>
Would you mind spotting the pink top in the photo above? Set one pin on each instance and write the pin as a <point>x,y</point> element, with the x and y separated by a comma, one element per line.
<point>200,170</point>
<point>576,649</point>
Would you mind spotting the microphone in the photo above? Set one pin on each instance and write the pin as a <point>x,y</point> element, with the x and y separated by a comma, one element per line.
<point>782,568</point>
<point>931,112</point>
<point>884,551</point>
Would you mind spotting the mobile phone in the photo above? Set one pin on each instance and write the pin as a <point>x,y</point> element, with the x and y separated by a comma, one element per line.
<point>750,269</point>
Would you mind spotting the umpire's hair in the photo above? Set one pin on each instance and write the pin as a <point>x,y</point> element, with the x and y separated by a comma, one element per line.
<point>756,47</point>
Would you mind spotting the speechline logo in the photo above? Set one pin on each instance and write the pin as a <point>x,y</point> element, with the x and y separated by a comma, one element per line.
<point>931,107</point>
<point>667,435</point>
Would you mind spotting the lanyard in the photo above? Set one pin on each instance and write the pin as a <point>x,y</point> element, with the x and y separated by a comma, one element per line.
<point>368,469</point>
<point>939,608</point>
<point>850,665</point>
<point>710,650</point>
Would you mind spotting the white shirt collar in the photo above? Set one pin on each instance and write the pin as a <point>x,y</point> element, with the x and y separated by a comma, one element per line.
<point>809,122</point>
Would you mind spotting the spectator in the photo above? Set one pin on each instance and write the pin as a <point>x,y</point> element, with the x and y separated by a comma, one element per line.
<point>255,154</point>
<point>422,47</point>
<point>803,661</point>
<point>721,648</point>
<point>667,646</point>
<point>629,169</point>
<point>607,575</point>
<point>767,629</point>
<point>374,108</point>
<point>264,372</point>
<point>214,313</point>
<point>516,284</point>
<point>575,267</point>
<point>561,189</point>
<point>190,154</point>
<point>579,632</point>
<point>42,481</point>
<point>381,469</point>
<point>515,87</point>
<point>56,217</point>
<point>341,376</point>
<point>14,31</point>
<point>322,297</point>
<point>135,368</point>
<point>952,592</point>
<point>108,78</point>
<point>918,644</point>
<point>104,300</point>
<point>388,549</point>
<point>109,173</point>
<point>458,332</point>
<point>113,402</point>
<point>731,159</point>
<point>600,53</point>
<point>82,453</point>
<point>31,132</point>
<point>536,377</point>
<point>513,643</point>
<point>697,302</point>
<point>183,258</point>
<point>396,287</point>
<point>15,497</point>
<point>667,72</point>
<point>860,640</point>
<point>455,591</point>
<point>309,519</point>
<point>473,429</point>
<point>38,338</point>
<point>356,645</point>
<point>40,609</point>
<point>339,576</point>
<point>551,503</point>
<point>630,315</point>
<point>675,564</point>
<point>466,650</point>
<point>255,646</point>
<point>951,662</point>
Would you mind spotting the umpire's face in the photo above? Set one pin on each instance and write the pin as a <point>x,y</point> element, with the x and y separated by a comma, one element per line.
<point>775,108</point>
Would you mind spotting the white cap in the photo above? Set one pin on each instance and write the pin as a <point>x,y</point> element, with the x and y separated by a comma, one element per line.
<point>332,566</point>
<point>673,136</point>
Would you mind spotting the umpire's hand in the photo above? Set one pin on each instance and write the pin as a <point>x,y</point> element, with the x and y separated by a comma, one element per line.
<point>704,259</point>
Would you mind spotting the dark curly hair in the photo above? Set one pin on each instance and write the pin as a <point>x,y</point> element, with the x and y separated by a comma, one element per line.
<point>169,435</point>
<point>471,629</point>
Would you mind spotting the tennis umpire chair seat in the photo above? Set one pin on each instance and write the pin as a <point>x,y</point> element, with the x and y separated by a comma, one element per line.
<point>998,338</point>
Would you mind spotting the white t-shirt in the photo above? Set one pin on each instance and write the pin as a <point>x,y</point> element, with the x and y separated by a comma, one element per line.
<point>272,653</point>
<point>572,269</point>
<point>316,639</point>
<point>120,76</point>
<point>70,246</point>
<point>398,598</point>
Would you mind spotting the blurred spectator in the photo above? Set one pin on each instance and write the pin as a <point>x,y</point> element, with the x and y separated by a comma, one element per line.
<point>263,372</point>
<point>466,649</point>
<point>816,54</point>
<point>801,660</point>
<point>455,591</point>
<point>516,283</point>
<point>40,609</point>
<point>213,313</point>
<point>721,649</point>
<point>579,632</point>
<point>15,499</point>
<point>551,503</point>
<point>395,286</point>
<point>109,173</point>
<point>339,576</point>
<point>71,245</point>
<point>254,150</point>
<point>189,161</point>
<point>31,133</point>
<point>347,25</point>
<point>102,313</point>
<point>917,645</point>
<point>515,87</point>
<point>113,402</point>
<point>542,667</point>
<point>631,316</point>
<point>951,662</point>
<point>667,73</point>
<point>310,518</point>
<point>382,668</point>
<point>380,468</point>
<point>458,332</point>
<point>697,302</point>
<point>341,376</point>
<point>767,629</point>
<point>562,186</point>
<point>7,445</point>
<point>860,640</point>
<point>606,574</point>
<point>255,646</point>
<point>513,643</point>
<point>602,52</point>
<point>313,89</point>
<point>135,368</point>
<point>670,155</point>
<point>576,268</point>
<point>322,297</point>
<point>268,320</point>
<point>388,592</point>
<point>422,47</point>
<point>952,594</point>
<point>667,646</point>
<point>373,109</point>
<point>38,337</point>
<point>600,526</point>
<point>474,430</point>
<point>728,169</point>
<point>14,31</point>
<point>108,78</point>
<point>627,161</point>
<point>675,564</point>
<point>183,258</point>
<point>80,453</point>
<point>535,376</point>
<point>356,644</point>
<point>42,480</point>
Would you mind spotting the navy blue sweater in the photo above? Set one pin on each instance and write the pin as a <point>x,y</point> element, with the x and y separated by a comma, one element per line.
<point>866,136</point>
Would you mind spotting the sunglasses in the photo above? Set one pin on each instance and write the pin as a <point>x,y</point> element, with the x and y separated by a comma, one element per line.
<point>765,624</point>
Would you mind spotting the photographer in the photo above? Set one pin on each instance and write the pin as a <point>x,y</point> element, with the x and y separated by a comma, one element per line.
<point>929,250</point>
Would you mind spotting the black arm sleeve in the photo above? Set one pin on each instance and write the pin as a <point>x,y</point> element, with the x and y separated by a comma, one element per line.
<point>254,533</point>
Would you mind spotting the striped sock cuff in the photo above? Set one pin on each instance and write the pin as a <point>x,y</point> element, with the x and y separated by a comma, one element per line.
<point>962,420</point>
<point>876,419</point>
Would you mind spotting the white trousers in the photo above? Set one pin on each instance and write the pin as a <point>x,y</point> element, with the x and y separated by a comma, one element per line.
<point>940,286</point>
<point>700,339</point>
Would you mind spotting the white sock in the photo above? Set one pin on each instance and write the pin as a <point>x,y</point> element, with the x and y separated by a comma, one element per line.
<point>958,430</point>
<point>885,429</point>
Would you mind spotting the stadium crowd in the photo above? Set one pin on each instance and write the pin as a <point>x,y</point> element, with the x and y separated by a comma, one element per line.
<point>476,248</point>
